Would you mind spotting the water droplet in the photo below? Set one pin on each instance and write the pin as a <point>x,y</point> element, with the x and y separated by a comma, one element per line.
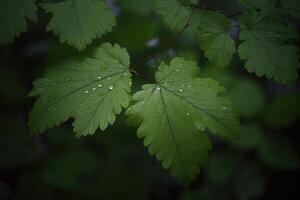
<point>180,90</point>
<point>158,88</point>
<point>143,102</point>
<point>99,77</point>
<point>189,86</point>
<point>177,70</point>
<point>100,86</point>
<point>94,88</point>
<point>187,114</point>
<point>170,82</point>
<point>108,78</point>
<point>86,91</point>
<point>130,83</point>
<point>111,87</point>
<point>224,108</point>
<point>182,85</point>
<point>68,78</point>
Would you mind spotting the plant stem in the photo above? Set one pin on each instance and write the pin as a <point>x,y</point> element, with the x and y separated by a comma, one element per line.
<point>171,42</point>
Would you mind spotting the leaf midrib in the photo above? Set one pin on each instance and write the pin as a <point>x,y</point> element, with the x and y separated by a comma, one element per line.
<point>173,135</point>
<point>199,108</point>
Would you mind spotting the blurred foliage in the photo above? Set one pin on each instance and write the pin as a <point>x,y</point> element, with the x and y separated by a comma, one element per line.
<point>263,164</point>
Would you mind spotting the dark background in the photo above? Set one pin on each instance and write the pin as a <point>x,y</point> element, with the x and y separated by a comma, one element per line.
<point>113,164</point>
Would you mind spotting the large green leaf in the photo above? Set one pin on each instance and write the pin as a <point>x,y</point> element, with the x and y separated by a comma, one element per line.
<point>214,38</point>
<point>92,91</point>
<point>173,114</point>
<point>78,22</point>
<point>13,15</point>
<point>175,13</point>
<point>266,47</point>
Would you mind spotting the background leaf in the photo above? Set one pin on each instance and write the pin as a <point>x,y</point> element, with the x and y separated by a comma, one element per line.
<point>13,18</point>
<point>265,50</point>
<point>79,22</point>
<point>214,38</point>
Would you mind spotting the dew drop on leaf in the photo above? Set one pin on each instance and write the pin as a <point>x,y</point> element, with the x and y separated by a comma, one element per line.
<point>100,86</point>
<point>111,87</point>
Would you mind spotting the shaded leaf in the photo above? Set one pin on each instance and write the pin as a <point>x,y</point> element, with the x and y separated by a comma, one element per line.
<point>78,22</point>
<point>266,49</point>
<point>13,16</point>
<point>175,13</point>
<point>214,38</point>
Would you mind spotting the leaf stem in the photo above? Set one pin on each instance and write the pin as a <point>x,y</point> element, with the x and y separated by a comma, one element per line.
<point>204,7</point>
<point>171,42</point>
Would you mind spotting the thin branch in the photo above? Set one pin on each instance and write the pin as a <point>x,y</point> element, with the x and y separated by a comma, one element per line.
<point>218,10</point>
<point>170,43</point>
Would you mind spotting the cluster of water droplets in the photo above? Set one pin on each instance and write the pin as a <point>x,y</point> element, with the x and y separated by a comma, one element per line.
<point>95,88</point>
<point>183,87</point>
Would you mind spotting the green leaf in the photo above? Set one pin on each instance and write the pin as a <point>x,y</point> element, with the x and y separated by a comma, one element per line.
<point>291,7</point>
<point>175,13</point>
<point>214,38</point>
<point>13,15</point>
<point>266,47</point>
<point>92,92</point>
<point>78,22</point>
<point>173,114</point>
